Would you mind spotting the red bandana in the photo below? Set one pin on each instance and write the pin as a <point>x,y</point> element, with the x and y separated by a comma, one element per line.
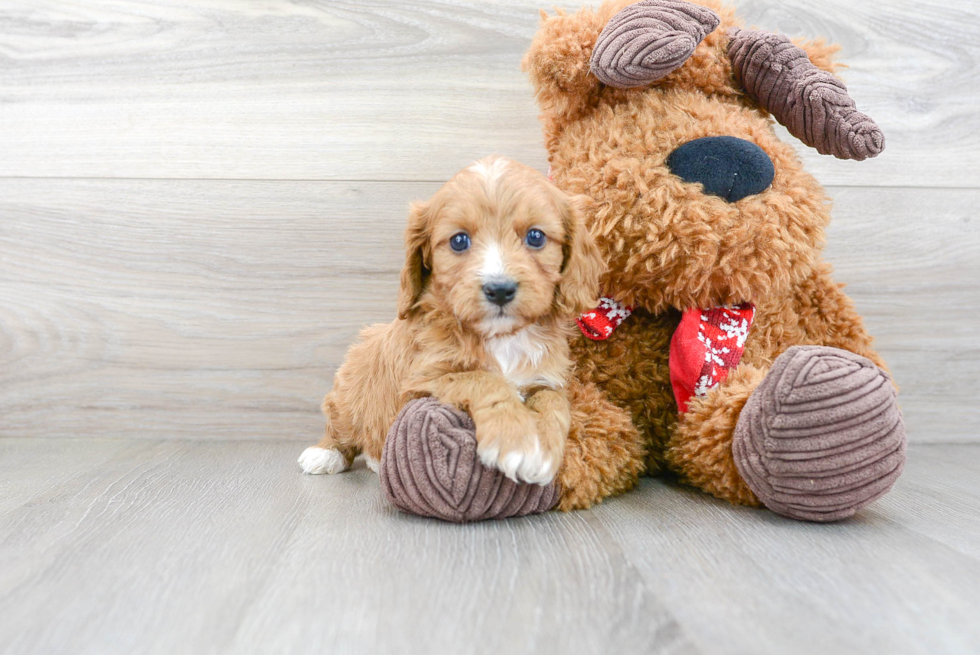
<point>708,343</point>
<point>599,323</point>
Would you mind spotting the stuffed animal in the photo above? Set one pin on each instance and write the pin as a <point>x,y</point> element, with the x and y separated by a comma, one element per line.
<point>745,368</point>
<point>722,351</point>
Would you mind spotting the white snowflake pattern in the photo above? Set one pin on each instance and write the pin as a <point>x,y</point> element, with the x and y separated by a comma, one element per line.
<point>614,310</point>
<point>736,328</point>
<point>712,355</point>
<point>704,385</point>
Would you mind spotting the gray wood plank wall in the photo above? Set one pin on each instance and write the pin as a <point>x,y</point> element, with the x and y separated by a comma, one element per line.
<point>201,202</point>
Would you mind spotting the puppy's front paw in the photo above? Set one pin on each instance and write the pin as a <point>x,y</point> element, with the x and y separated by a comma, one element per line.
<point>514,448</point>
<point>317,461</point>
<point>530,463</point>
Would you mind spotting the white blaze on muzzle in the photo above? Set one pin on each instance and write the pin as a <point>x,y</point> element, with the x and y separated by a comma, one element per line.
<point>493,267</point>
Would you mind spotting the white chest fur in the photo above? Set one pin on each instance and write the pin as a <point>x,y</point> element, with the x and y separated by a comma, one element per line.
<point>519,357</point>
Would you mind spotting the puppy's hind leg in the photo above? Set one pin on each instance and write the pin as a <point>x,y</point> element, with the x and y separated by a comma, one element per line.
<point>325,457</point>
<point>333,454</point>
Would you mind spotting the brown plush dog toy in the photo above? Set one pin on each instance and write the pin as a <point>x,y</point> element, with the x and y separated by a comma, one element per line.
<point>743,367</point>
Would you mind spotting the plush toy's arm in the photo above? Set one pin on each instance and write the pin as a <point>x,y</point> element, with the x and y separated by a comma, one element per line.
<point>507,432</point>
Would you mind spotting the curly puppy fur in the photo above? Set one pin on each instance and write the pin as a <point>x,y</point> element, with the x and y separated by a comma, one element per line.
<point>670,247</point>
<point>453,341</point>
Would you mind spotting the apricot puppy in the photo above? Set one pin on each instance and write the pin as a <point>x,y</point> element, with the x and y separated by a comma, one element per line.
<point>498,264</point>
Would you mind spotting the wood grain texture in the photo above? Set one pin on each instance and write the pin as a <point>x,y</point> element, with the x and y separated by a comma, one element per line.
<point>180,547</point>
<point>390,90</point>
<point>911,261</point>
<point>221,309</point>
<point>204,310</point>
<point>177,321</point>
<point>173,547</point>
<point>881,582</point>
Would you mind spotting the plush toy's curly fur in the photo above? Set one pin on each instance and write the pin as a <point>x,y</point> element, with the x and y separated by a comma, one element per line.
<point>671,247</point>
<point>604,451</point>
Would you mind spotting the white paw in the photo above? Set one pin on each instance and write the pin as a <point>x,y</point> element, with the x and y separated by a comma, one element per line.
<point>372,463</point>
<point>488,456</point>
<point>529,464</point>
<point>316,460</point>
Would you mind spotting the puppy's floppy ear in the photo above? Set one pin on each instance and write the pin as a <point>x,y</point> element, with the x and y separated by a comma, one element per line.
<point>415,273</point>
<point>578,290</point>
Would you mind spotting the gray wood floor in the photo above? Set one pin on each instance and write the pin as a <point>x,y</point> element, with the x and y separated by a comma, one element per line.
<point>112,546</point>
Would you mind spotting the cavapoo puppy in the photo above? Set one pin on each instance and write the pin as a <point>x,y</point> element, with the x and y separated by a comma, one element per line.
<point>498,264</point>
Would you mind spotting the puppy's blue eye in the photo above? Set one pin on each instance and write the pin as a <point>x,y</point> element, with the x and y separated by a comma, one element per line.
<point>459,242</point>
<point>535,239</point>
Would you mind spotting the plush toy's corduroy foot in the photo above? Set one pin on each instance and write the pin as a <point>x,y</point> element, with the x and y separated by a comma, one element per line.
<point>430,467</point>
<point>821,436</point>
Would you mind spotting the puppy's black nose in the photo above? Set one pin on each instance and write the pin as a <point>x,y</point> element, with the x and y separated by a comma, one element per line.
<point>727,167</point>
<point>500,292</point>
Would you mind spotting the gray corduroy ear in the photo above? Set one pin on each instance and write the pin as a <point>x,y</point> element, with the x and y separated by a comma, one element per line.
<point>647,41</point>
<point>812,103</point>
